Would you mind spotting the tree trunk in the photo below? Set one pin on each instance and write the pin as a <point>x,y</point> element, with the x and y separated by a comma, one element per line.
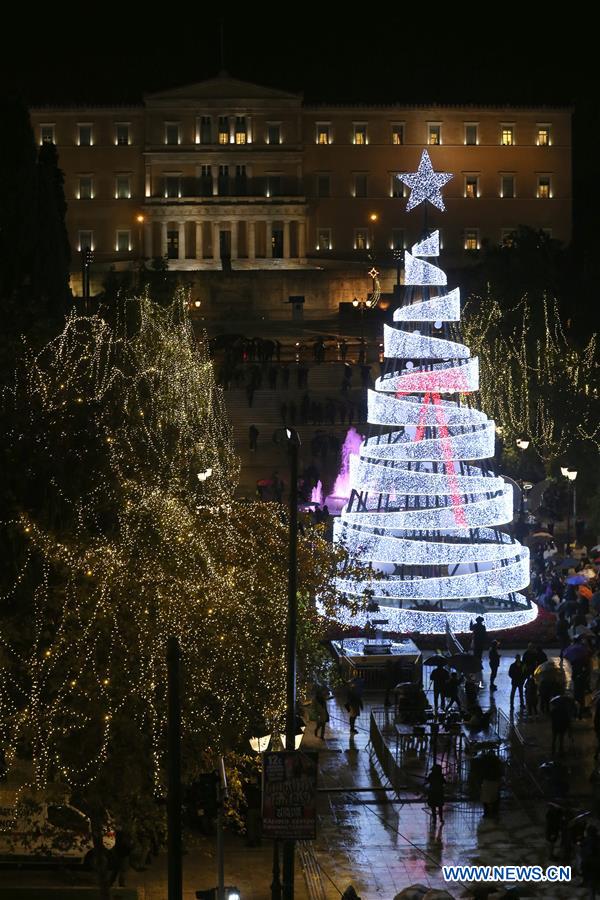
<point>101,861</point>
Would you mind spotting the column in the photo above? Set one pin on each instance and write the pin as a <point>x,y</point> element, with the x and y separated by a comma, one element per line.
<point>234,239</point>
<point>181,248</point>
<point>199,248</point>
<point>269,248</point>
<point>216,241</point>
<point>251,226</point>
<point>148,182</point>
<point>214,171</point>
<point>286,239</point>
<point>301,238</point>
<point>163,239</point>
<point>148,248</point>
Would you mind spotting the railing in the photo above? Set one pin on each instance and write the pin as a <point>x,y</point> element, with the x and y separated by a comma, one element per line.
<point>385,756</point>
<point>229,186</point>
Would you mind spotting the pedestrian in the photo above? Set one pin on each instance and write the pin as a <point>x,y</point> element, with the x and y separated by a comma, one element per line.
<point>562,632</point>
<point>121,856</point>
<point>435,782</point>
<point>492,771</point>
<point>319,714</point>
<point>531,696</point>
<point>554,824</point>
<point>439,678</point>
<point>516,675</point>
<point>479,636</point>
<point>343,349</point>
<point>353,705</point>
<point>452,688</point>
<point>494,661</point>
<point>560,718</point>
<point>253,433</point>
<point>530,658</point>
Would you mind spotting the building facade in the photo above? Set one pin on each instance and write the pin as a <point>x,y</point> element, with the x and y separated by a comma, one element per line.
<point>224,173</point>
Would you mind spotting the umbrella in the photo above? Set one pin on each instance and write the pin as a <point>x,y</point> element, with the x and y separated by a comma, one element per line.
<point>584,591</point>
<point>544,535</point>
<point>568,562</point>
<point>577,579</point>
<point>465,663</point>
<point>596,548</point>
<point>436,661</point>
<point>576,653</point>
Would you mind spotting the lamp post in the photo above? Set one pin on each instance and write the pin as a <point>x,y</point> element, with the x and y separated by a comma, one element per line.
<point>522,444</point>
<point>373,218</point>
<point>571,475</point>
<point>140,219</point>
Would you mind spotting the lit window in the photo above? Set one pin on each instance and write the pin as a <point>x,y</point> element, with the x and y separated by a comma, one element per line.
<point>360,184</point>
<point>471,187</point>
<point>84,138</point>
<point>240,130</point>
<point>86,187</point>
<point>398,239</point>
<point>544,187</point>
<point>172,133</point>
<point>361,239</point>
<point>472,239</point>
<point>223,130</point>
<point>508,237</point>
<point>543,135</point>
<point>507,186</point>
<point>123,187</point>
<point>434,134</point>
<point>507,136</point>
<point>360,133</point>
<point>205,131</point>
<point>398,133</point>
<point>85,241</point>
<point>172,186</point>
<point>122,134</point>
<point>471,134</point>
<point>324,239</point>
<point>397,187</point>
<point>323,133</point>
<point>123,243</point>
<point>323,185</point>
<point>47,134</point>
<point>273,133</point>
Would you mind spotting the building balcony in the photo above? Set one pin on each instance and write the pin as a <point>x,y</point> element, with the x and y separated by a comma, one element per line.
<point>225,188</point>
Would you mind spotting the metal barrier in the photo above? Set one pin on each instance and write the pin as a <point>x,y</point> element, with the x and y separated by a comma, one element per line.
<point>385,757</point>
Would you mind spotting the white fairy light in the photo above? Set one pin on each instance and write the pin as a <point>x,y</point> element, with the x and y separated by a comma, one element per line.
<point>419,272</point>
<point>444,308</point>
<point>384,410</point>
<point>400,344</point>
<point>443,378</point>
<point>429,246</point>
<point>425,184</point>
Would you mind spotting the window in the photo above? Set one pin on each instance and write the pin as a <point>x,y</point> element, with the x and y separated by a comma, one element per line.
<point>172,243</point>
<point>172,133</point>
<point>361,239</point>
<point>273,132</point>
<point>122,134</point>
<point>398,133</point>
<point>206,183</point>
<point>472,239</point>
<point>223,130</point>
<point>397,238</point>
<point>205,130</point>
<point>240,130</point>
<point>86,187</point>
<point>471,187</point>
<point>172,185</point>
<point>471,134</point>
<point>543,135</point>
<point>507,135</point>
<point>507,186</point>
<point>47,134</point>
<point>324,239</point>
<point>84,136</point>
<point>85,240</point>
<point>274,186</point>
<point>123,242</point>
<point>323,133</point>
<point>323,185</point>
<point>241,182</point>
<point>397,186</point>
<point>123,187</point>
<point>544,187</point>
<point>360,133</point>
<point>223,180</point>
<point>507,237</point>
<point>360,184</point>
<point>434,133</point>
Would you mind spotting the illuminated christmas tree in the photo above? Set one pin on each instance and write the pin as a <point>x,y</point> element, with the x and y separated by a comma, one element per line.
<point>422,513</point>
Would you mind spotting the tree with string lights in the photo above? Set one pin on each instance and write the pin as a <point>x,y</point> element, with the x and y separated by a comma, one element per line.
<point>124,530</point>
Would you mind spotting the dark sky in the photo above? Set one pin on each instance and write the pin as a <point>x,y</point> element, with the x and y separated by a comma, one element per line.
<point>376,55</point>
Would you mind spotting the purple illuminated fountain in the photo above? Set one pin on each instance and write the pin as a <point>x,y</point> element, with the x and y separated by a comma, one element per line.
<point>341,489</point>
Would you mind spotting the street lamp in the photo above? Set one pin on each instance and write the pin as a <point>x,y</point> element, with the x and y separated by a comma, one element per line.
<point>571,475</point>
<point>373,218</point>
<point>140,219</point>
<point>522,444</point>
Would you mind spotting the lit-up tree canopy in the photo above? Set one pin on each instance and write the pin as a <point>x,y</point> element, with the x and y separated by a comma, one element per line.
<point>421,512</point>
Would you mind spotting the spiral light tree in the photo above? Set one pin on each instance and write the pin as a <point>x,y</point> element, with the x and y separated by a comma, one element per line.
<point>426,512</point>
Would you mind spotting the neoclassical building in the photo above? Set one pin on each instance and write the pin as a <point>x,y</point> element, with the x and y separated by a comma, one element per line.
<point>228,174</point>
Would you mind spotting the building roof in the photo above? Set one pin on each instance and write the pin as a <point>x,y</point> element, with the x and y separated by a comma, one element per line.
<point>222,87</point>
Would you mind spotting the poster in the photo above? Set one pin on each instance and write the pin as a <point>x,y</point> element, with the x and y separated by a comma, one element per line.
<point>290,795</point>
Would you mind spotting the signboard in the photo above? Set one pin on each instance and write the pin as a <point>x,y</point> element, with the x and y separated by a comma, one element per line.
<point>289,804</point>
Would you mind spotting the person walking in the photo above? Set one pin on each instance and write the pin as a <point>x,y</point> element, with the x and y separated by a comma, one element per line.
<point>439,678</point>
<point>561,711</point>
<point>530,660</point>
<point>479,636</point>
<point>494,661</point>
<point>253,433</point>
<point>516,675</point>
<point>435,782</point>
<point>531,696</point>
<point>319,712</point>
<point>354,705</point>
<point>121,856</point>
<point>452,687</point>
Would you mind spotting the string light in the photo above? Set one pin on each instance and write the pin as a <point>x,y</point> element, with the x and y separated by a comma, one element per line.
<point>425,185</point>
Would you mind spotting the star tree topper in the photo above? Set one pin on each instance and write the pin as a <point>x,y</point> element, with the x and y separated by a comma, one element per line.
<point>425,184</point>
